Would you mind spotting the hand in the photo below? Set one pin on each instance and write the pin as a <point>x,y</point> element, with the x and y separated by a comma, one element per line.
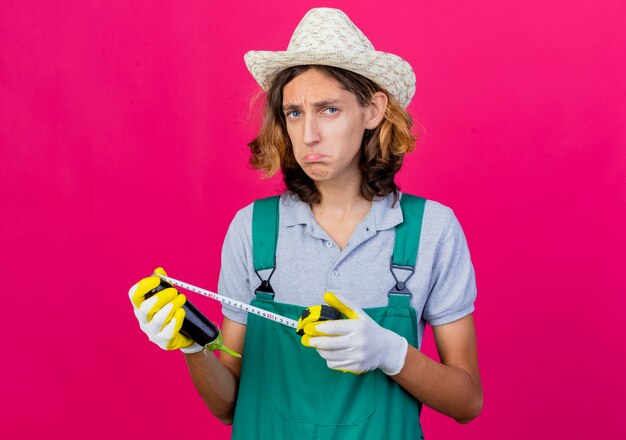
<point>356,344</point>
<point>161,315</point>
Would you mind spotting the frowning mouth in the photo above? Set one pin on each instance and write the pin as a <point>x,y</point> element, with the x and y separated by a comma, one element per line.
<point>313,157</point>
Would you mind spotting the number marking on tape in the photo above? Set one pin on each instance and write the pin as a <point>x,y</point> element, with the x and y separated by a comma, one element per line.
<point>231,302</point>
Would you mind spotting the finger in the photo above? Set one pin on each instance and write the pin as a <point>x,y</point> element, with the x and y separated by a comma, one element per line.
<point>137,293</point>
<point>345,306</point>
<point>172,330</point>
<point>144,309</point>
<point>164,315</point>
<point>306,340</point>
<point>163,297</point>
<point>179,317</point>
<point>176,303</point>
<point>152,305</point>
<point>334,355</point>
<point>159,270</point>
<point>310,314</point>
<point>337,360</point>
<point>331,343</point>
<point>131,292</point>
<point>180,340</point>
<point>167,333</point>
<point>333,330</point>
<point>344,365</point>
<point>339,327</point>
<point>311,329</point>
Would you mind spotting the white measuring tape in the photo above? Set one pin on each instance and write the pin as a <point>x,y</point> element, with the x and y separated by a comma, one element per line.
<point>224,299</point>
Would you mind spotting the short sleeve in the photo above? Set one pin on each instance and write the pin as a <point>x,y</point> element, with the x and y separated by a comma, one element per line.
<point>453,283</point>
<point>234,279</point>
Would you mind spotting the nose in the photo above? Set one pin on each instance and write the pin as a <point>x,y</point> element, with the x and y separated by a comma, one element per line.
<point>311,134</point>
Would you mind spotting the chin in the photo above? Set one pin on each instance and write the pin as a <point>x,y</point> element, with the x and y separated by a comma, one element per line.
<point>317,174</point>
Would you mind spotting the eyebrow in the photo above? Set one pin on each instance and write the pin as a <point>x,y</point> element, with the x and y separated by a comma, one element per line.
<point>319,104</point>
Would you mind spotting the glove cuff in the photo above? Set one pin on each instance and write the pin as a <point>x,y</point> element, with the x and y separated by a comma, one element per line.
<point>396,355</point>
<point>193,348</point>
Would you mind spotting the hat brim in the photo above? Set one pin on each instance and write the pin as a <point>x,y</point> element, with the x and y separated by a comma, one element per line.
<point>387,70</point>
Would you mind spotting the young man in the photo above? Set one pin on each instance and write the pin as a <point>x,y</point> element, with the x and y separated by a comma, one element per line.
<point>335,124</point>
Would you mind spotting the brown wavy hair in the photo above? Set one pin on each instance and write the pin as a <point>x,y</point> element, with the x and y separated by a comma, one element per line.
<point>382,148</point>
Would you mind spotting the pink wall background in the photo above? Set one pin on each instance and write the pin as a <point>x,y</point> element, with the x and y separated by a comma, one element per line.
<point>123,130</point>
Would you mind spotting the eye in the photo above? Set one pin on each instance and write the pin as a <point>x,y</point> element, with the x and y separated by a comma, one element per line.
<point>293,114</point>
<point>331,110</point>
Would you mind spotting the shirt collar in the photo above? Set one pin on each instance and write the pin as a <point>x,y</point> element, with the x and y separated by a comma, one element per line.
<point>386,216</point>
<point>295,211</point>
<point>381,216</point>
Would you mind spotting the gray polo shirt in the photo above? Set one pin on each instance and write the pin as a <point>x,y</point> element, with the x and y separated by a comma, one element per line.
<point>309,263</point>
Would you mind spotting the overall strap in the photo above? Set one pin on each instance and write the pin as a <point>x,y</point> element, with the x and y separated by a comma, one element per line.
<point>407,242</point>
<point>265,219</point>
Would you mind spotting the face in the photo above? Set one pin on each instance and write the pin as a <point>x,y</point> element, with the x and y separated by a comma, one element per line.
<point>325,124</point>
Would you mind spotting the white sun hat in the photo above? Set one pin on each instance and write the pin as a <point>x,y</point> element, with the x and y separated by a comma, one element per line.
<point>326,36</point>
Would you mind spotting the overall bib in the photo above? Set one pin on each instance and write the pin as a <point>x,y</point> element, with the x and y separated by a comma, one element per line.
<point>287,390</point>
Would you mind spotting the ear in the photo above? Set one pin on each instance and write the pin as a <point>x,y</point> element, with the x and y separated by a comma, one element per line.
<point>375,111</point>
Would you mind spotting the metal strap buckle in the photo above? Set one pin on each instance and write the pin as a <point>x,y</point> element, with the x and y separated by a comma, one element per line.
<point>400,287</point>
<point>265,285</point>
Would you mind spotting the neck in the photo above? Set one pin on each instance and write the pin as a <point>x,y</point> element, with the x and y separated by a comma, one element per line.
<point>341,208</point>
<point>341,195</point>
